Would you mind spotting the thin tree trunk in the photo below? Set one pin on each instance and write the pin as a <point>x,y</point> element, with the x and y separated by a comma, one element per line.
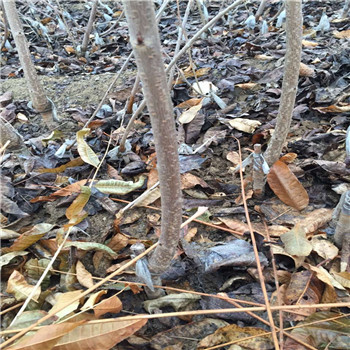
<point>145,41</point>
<point>294,22</point>
<point>89,28</point>
<point>36,91</point>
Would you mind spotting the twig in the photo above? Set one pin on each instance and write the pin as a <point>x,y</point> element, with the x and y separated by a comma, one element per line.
<point>48,267</point>
<point>256,253</point>
<point>89,28</point>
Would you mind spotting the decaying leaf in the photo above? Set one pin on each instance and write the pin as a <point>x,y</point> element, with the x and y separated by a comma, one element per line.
<point>246,125</point>
<point>18,286</point>
<point>235,334</point>
<point>46,337</point>
<point>6,258</point>
<point>295,242</point>
<point>176,301</point>
<point>329,331</point>
<point>286,186</point>
<point>84,277</point>
<point>79,203</point>
<point>112,304</point>
<point>187,116</point>
<point>334,109</point>
<point>100,334</point>
<point>29,237</point>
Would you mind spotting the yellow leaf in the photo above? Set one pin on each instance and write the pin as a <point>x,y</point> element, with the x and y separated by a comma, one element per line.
<point>84,150</point>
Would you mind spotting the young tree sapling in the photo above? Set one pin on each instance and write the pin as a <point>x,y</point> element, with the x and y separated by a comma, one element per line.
<point>36,91</point>
<point>145,41</point>
<point>294,23</point>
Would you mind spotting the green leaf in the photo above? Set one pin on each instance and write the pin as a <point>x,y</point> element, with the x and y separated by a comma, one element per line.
<point>84,150</point>
<point>91,246</point>
<point>119,187</point>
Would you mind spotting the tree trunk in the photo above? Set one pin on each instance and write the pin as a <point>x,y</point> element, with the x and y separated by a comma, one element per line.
<point>294,22</point>
<point>36,92</point>
<point>145,41</point>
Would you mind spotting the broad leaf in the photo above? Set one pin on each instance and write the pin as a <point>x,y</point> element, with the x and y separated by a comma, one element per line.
<point>84,150</point>
<point>119,187</point>
<point>101,335</point>
<point>286,186</point>
<point>332,332</point>
<point>46,337</point>
<point>295,242</point>
<point>90,246</point>
<point>112,304</point>
<point>84,276</point>
<point>6,258</point>
<point>18,286</point>
<point>29,237</point>
<point>187,116</point>
<point>79,203</point>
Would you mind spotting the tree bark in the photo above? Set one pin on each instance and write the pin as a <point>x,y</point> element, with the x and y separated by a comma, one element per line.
<point>294,22</point>
<point>36,91</point>
<point>145,41</point>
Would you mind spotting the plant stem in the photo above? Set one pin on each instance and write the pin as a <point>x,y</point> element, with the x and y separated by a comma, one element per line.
<point>145,41</point>
<point>294,22</point>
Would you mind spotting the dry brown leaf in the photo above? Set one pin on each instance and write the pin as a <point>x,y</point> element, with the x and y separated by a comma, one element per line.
<point>306,71</point>
<point>248,86</point>
<point>233,332</point>
<point>189,181</point>
<point>288,158</point>
<point>316,219</point>
<point>101,334</point>
<point>92,300</point>
<point>84,276</point>
<point>324,248</point>
<point>246,125</point>
<point>112,304</point>
<point>287,187</point>
<point>63,299</point>
<point>190,103</point>
<point>73,163</point>
<point>187,116</point>
<point>344,34</point>
<point>236,225</point>
<point>46,337</point>
<point>334,108</point>
<point>20,288</point>
<point>343,278</point>
<point>79,203</point>
<point>233,157</point>
<point>309,44</point>
<point>152,177</point>
<point>70,189</point>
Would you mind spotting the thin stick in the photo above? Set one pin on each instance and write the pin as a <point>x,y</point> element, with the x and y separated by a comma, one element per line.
<point>47,269</point>
<point>256,253</point>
